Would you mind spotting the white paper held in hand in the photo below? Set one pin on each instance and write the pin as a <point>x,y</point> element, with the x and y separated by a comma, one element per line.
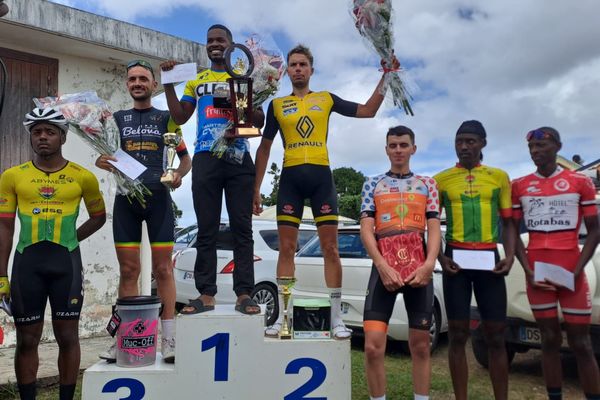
<point>554,273</point>
<point>179,73</point>
<point>127,164</point>
<point>474,259</point>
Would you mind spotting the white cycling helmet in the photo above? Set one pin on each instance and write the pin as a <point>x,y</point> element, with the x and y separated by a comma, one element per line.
<point>46,115</point>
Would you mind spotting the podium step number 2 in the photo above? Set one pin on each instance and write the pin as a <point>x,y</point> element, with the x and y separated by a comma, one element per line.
<point>223,355</point>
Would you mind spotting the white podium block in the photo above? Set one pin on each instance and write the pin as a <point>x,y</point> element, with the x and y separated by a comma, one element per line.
<point>223,354</point>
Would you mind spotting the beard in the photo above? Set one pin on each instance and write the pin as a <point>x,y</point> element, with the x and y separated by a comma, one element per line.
<point>141,97</point>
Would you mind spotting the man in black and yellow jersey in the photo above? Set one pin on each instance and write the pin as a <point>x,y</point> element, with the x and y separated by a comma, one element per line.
<point>303,120</point>
<point>477,201</point>
<point>45,193</point>
<point>141,130</point>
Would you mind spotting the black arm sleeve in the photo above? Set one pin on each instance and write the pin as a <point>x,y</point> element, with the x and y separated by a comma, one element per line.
<point>344,107</point>
<point>271,124</point>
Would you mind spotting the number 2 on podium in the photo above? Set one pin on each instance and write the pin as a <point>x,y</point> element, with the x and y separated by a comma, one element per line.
<point>220,342</point>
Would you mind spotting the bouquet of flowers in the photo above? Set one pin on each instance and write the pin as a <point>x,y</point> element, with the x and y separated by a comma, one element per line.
<point>269,67</point>
<point>90,118</point>
<point>373,19</point>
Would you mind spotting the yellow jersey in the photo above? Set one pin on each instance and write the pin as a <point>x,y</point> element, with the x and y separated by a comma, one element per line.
<point>474,199</point>
<point>47,203</point>
<point>304,125</point>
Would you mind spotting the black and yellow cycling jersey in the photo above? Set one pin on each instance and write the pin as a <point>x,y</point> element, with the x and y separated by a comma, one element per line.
<point>304,125</point>
<point>47,203</point>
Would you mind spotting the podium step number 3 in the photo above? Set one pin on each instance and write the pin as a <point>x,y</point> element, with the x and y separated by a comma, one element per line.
<point>223,355</point>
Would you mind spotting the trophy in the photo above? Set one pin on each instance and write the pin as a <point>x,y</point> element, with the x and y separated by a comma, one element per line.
<point>171,141</point>
<point>285,285</point>
<point>239,63</point>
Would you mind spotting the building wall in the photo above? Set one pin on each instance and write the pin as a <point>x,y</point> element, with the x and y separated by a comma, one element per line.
<point>99,259</point>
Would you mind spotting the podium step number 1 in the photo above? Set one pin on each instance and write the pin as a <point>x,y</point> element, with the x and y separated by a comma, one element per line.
<point>223,355</point>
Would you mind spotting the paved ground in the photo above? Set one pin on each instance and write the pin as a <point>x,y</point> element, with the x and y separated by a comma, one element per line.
<point>48,371</point>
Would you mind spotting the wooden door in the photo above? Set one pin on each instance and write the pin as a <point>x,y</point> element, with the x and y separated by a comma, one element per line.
<point>28,76</point>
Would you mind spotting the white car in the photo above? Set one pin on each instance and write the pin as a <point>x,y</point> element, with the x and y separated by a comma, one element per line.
<point>266,245</point>
<point>522,332</point>
<point>356,266</point>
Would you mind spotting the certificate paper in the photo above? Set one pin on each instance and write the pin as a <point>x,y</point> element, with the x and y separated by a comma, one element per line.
<point>127,164</point>
<point>484,260</point>
<point>554,273</point>
<point>179,73</point>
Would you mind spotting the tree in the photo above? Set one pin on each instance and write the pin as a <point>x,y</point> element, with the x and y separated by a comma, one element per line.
<point>348,183</point>
<point>275,172</point>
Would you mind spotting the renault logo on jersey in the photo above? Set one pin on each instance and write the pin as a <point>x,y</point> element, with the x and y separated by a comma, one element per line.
<point>305,127</point>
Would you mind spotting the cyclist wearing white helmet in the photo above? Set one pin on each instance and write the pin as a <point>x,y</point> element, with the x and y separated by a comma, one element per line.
<point>45,193</point>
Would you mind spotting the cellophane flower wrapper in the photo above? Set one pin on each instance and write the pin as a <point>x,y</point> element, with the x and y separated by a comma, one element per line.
<point>90,118</point>
<point>269,67</point>
<point>373,19</point>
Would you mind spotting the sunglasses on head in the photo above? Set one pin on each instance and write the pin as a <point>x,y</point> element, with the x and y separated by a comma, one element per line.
<point>539,134</point>
<point>140,63</point>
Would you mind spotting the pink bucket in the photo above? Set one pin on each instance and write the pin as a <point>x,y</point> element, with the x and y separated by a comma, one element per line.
<point>137,334</point>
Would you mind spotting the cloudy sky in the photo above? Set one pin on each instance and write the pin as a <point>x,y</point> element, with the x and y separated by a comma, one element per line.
<point>514,65</point>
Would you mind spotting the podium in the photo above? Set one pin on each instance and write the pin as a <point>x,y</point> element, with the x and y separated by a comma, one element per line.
<point>223,354</point>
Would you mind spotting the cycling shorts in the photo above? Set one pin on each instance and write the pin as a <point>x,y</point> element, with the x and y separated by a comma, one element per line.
<point>46,270</point>
<point>576,306</point>
<point>307,181</point>
<point>489,289</point>
<point>158,214</point>
<point>379,305</point>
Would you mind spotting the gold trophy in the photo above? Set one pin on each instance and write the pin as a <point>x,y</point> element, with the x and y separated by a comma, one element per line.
<point>239,63</point>
<point>171,141</point>
<point>285,285</point>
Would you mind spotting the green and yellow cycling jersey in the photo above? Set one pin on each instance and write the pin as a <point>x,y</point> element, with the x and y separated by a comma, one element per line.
<point>474,200</point>
<point>47,203</point>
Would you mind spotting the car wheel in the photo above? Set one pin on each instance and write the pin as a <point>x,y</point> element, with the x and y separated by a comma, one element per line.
<point>480,350</point>
<point>265,293</point>
<point>436,327</point>
<point>434,331</point>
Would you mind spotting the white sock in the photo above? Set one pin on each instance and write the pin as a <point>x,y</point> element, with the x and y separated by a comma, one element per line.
<point>335,298</point>
<point>377,398</point>
<point>421,397</point>
<point>168,328</point>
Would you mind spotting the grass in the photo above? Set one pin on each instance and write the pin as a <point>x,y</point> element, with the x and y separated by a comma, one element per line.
<point>525,380</point>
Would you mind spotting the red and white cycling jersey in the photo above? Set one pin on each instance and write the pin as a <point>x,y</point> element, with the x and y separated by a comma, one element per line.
<point>552,207</point>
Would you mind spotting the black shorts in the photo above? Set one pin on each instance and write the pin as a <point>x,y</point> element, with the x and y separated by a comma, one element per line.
<point>158,214</point>
<point>379,303</point>
<point>489,289</point>
<point>46,270</point>
<point>307,181</point>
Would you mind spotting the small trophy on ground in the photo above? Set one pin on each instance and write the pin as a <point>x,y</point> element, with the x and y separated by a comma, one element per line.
<point>285,285</point>
<point>171,141</point>
<point>239,63</point>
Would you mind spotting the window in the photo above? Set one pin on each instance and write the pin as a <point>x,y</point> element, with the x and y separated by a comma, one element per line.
<point>349,244</point>
<point>271,238</point>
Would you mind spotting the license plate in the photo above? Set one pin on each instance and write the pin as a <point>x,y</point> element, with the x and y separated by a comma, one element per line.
<point>345,307</point>
<point>530,335</point>
<point>188,275</point>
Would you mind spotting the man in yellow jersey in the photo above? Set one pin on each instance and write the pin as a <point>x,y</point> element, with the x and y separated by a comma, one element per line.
<point>233,173</point>
<point>303,120</point>
<point>141,130</point>
<point>45,193</point>
<point>476,198</point>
